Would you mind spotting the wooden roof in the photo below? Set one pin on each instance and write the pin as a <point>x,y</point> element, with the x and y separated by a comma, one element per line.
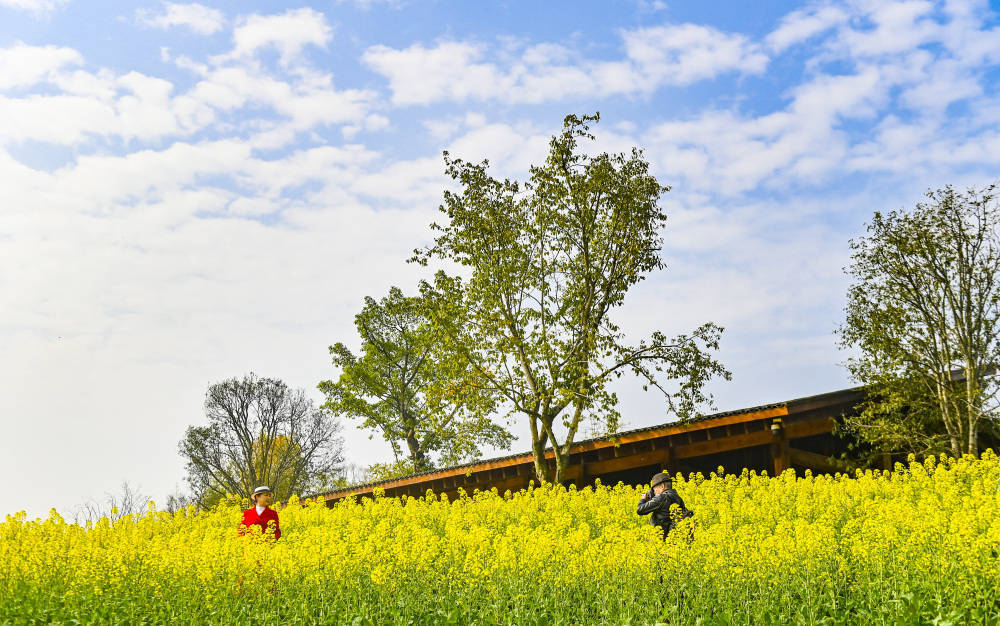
<point>815,410</point>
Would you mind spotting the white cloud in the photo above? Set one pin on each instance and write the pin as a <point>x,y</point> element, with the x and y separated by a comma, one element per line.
<point>308,101</point>
<point>96,105</point>
<point>808,142</point>
<point>442,129</point>
<point>22,65</point>
<point>289,33</point>
<point>686,53</point>
<point>88,105</point>
<point>34,6</point>
<point>373,123</point>
<point>652,5</point>
<point>729,153</point>
<point>419,75</point>
<point>946,82</point>
<point>898,27</point>
<point>199,18</point>
<point>799,26</point>
<point>417,182</point>
<point>654,57</point>
<point>510,148</point>
<point>883,64</point>
<point>368,4</point>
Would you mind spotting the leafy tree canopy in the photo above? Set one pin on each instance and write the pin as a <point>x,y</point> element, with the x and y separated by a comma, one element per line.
<point>422,399</point>
<point>547,263</point>
<point>923,318</point>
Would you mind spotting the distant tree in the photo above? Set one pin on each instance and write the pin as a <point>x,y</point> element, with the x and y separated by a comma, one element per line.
<point>387,471</point>
<point>260,432</point>
<point>128,501</point>
<point>178,500</point>
<point>350,474</point>
<point>548,262</point>
<point>404,386</point>
<point>923,316</point>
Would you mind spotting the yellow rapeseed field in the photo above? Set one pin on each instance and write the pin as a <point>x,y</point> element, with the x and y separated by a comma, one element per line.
<point>917,545</point>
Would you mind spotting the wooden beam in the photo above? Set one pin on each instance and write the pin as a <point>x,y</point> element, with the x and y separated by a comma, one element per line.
<point>848,397</point>
<point>600,444</point>
<point>701,448</point>
<point>626,462</point>
<point>794,430</point>
<point>681,428</point>
<point>808,428</point>
<point>817,462</point>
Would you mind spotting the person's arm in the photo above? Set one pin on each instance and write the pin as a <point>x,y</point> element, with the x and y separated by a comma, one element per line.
<point>243,525</point>
<point>277,528</point>
<point>644,497</point>
<point>647,506</point>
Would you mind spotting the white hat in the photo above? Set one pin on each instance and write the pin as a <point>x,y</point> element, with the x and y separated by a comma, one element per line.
<point>261,489</point>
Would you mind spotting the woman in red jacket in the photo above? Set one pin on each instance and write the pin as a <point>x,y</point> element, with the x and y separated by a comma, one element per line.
<point>264,516</point>
<point>261,513</point>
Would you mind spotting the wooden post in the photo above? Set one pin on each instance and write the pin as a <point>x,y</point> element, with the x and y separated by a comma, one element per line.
<point>668,462</point>
<point>583,479</point>
<point>778,449</point>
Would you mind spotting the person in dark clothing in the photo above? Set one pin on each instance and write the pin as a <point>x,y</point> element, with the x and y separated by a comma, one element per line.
<point>657,501</point>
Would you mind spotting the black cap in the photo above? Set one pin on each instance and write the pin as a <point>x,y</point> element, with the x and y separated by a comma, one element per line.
<point>661,478</point>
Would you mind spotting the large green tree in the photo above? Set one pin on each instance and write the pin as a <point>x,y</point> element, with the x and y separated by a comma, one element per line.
<point>547,262</point>
<point>923,317</point>
<point>403,385</point>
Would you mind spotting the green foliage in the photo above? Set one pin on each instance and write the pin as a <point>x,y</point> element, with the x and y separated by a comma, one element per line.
<point>404,386</point>
<point>924,320</point>
<point>386,471</point>
<point>548,261</point>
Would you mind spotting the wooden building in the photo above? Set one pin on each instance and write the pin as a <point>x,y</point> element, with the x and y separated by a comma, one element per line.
<point>773,437</point>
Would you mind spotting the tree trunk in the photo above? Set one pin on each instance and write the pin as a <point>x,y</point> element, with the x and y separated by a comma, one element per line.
<point>538,451</point>
<point>954,438</point>
<point>972,406</point>
<point>560,458</point>
<point>973,438</point>
<point>416,452</point>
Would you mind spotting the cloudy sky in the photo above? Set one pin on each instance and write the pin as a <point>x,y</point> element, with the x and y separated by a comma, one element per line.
<point>190,192</point>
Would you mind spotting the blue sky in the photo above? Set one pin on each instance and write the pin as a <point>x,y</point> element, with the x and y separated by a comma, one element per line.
<point>192,192</point>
